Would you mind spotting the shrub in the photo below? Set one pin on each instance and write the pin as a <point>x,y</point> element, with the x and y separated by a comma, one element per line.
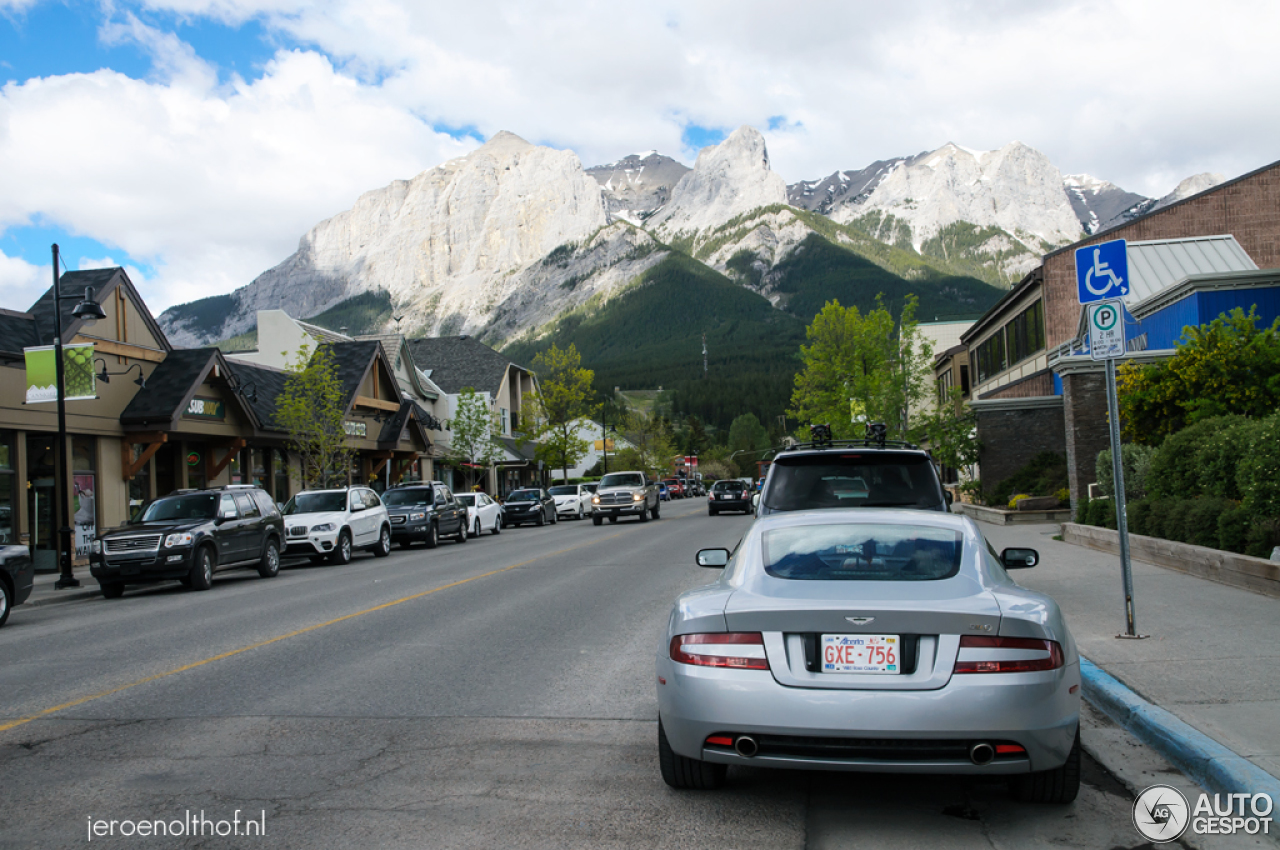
<point>1082,510</point>
<point>1138,515</point>
<point>1063,495</point>
<point>1258,473</point>
<point>1175,469</point>
<point>1202,520</point>
<point>1175,521</point>
<point>1137,463</point>
<point>1263,536</point>
<point>1158,514</point>
<point>1013,503</point>
<point>1102,513</point>
<point>1043,474</point>
<point>1233,528</point>
<point>972,489</point>
<point>1218,457</point>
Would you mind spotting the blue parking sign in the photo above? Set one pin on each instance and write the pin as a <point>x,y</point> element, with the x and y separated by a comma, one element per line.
<point>1102,271</point>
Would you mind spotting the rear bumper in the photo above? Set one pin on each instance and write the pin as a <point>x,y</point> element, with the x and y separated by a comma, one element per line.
<point>1036,710</point>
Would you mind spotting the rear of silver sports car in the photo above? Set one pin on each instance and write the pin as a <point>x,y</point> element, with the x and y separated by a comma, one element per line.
<point>941,664</point>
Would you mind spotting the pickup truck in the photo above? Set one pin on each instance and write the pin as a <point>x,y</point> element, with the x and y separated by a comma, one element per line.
<point>625,494</point>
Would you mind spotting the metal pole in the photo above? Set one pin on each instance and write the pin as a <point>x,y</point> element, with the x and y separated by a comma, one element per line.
<point>65,549</point>
<point>1122,523</point>
<point>604,444</point>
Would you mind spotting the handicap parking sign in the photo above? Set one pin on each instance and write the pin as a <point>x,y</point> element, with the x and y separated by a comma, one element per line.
<point>1102,271</point>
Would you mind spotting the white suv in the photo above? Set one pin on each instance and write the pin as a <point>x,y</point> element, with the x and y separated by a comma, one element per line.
<point>331,524</point>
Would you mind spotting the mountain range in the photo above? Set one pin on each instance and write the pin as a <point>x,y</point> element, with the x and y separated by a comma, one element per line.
<point>635,260</point>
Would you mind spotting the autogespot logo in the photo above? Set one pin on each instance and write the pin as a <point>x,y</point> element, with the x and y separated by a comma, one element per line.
<point>1161,814</point>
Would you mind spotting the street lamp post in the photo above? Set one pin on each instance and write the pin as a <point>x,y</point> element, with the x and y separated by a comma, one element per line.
<point>604,442</point>
<point>88,311</point>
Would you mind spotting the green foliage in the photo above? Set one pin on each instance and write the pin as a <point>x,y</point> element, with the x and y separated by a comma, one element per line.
<point>205,313</point>
<point>473,433</point>
<point>1203,519</point>
<point>1179,466</point>
<point>1043,475</point>
<point>247,341</point>
<point>1082,510</point>
<point>951,431</point>
<point>748,436</point>
<point>651,448</point>
<point>1136,460</point>
<point>978,252</point>
<point>1228,366</point>
<point>742,265</point>
<point>1263,536</point>
<point>1102,513</point>
<point>862,368</point>
<point>311,409</point>
<point>564,396</point>
<point>1138,514</point>
<point>560,255</point>
<point>1258,474</point>
<point>359,314</point>
<point>1234,525</point>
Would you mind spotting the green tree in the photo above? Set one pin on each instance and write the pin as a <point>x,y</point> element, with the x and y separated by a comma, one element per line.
<point>473,431</point>
<point>1228,366</point>
<point>651,448</point>
<point>748,438</point>
<point>311,409</point>
<point>952,434</point>
<point>564,396</point>
<point>862,368</point>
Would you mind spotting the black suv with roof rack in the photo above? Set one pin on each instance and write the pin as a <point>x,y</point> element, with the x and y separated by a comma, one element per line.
<point>189,535</point>
<point>869,473</point>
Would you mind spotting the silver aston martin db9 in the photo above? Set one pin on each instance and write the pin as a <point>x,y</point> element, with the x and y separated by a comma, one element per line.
<point>870,640</point>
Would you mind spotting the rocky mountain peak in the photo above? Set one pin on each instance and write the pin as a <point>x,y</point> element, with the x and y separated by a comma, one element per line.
<point>727,180</point>
<point>638,184</point>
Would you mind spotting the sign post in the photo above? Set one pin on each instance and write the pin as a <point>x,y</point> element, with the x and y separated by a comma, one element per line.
<point>1106,343</point>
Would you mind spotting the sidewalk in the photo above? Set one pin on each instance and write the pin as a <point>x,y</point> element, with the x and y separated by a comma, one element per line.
<point>1213,656</point>
<point>43,593</point>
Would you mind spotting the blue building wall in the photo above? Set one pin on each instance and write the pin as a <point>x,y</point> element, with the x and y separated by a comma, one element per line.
<point>1164,327</point>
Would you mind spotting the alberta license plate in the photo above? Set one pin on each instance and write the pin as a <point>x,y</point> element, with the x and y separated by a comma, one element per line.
<point>861,653</point>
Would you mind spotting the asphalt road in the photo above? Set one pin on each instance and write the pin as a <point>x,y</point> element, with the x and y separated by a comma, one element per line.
<point>493,694</point>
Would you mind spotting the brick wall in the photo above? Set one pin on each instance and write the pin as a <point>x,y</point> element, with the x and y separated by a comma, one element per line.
<point>1084,417</point>
<point>1032,386</point>
<point>1247,208</point>
<point>1012,436</point>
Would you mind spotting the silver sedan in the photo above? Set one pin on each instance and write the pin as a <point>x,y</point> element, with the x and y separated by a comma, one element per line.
<point>870,640</point>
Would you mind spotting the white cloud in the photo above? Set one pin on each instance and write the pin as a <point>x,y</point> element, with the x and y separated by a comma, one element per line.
<point>22,283</point>
<point>212,183</point>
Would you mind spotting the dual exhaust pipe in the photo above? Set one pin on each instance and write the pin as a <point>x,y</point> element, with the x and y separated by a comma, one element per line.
<point>980,753</point>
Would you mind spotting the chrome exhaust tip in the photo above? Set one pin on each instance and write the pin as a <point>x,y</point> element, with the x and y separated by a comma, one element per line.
<point>746,746</point>
<point>982,753</point>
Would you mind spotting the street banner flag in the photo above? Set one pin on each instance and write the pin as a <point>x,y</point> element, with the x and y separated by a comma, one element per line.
<point>77,366</point>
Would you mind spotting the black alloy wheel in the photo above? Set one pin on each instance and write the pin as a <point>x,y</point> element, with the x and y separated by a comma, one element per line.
<point>202,569</point>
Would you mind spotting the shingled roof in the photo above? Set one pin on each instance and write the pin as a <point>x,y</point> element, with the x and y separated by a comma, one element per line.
<point>17,331</point>
<point>171,386</point>
<point>72,286</point>
<point>457,362</point>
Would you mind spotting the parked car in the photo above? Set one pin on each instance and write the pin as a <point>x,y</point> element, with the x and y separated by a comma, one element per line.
<point>189,535</point>
<point>17,576</point>
<point>868,473</point>
<point>664,492</point>
<point>426,512</point>
<point>870,640</point>
<point>572,500</point>
<point>731,495</point>
<point>331,524</point>
<point>674,487</point>
<point>625,494</point>
<point>483,513</point>
<point>532,504</point>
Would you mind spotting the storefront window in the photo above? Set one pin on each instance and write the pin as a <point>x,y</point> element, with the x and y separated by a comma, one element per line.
<point>8,533</point>
<point>140,483</point>
<point>280,474</point>
<point>194,460</point>
<point>258,467</point>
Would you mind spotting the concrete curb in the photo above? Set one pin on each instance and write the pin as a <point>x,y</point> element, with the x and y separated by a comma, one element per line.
<point>1203,759</point>
<point>68,595</point>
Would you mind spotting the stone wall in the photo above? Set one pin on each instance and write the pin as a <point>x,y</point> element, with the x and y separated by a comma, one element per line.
<point>1014,431</point>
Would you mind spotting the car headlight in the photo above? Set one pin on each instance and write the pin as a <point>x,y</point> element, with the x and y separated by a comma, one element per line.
<point>637,497</point>
<point>418,516</point>
<point>182,539</point>
<point>324,526</point>
<point>595,500</point>
<point>96,547</point>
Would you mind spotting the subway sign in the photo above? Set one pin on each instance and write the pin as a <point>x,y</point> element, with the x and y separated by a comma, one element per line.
<point>205,408</point>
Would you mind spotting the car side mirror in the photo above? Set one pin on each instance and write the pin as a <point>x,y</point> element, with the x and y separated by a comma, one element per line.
<point>1018,559</point>
<point>714,558</point>
<point>947,497</point>
<point>358,506</point>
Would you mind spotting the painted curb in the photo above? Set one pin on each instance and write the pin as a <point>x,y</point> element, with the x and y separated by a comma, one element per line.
<point>1201,758</point>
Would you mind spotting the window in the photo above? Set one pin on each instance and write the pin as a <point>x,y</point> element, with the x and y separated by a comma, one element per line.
<point>991,360</point>
<point>964,381</point>
<point>248,507</point>
<point>855,552</point>
<point>227,506</point>
<point>1026,333</point>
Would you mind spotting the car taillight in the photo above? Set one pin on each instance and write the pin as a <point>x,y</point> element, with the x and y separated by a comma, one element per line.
<point>740,650</point>
<point>1029,655</point>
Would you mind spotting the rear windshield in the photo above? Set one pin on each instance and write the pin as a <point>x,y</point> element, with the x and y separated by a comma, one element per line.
<point>525,496</point>
<point>862,552</point>
<point>853,480</point>
<point>622,479</point>
<point>563,491</point>
<point>722,486</point>
<point>197,506</point>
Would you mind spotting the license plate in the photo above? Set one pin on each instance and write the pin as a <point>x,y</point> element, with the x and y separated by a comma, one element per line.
<point>861,654</point>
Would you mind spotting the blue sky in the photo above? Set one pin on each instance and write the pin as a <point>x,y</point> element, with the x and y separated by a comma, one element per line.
<point>195,141</point>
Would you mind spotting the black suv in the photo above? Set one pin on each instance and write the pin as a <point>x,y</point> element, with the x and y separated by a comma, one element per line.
<point>868,473</point>
<point>189,535</point>
<point>425,512</point>
<point>16,576</point>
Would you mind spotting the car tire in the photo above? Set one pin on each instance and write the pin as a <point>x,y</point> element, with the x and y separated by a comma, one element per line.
<point>595,520</point>
<point>383,549</point>
<point>202,569</point>
<point>541,520</point>
<point>581,515</point>
<point>686,773</point>
<point>269,566</point>
<point>406,544</point>
<point>613,519</point>
<point>477,529</point>
<point>497,524</point>
<point>433,536</point>
<point>1059,785</point>
<point>657,511</point>
<point>712,511</point>
<point>341,554</point>
<point>6,597</point>
<point>555,517</point>
<point>644,514</point>
<point>463,532</point>
<point>110,590</point>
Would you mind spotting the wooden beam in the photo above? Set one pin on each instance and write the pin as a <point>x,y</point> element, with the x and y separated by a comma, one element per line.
<point>123,349</point>
<point>381,458</point>
<point>212,469</point>
<point>365,401</point>
<point>153,442</point>
<point>402,466</point>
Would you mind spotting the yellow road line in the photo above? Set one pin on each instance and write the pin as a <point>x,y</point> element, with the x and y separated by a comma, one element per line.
<point>82,700</point>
